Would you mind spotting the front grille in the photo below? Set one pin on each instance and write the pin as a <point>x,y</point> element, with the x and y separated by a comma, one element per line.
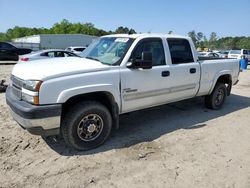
<point>17,85</point>
<point>16,92</point>
<point>17,82</point>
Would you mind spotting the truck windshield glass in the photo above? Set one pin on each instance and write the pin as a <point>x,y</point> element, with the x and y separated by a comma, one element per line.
<point>234,52</point>
<point>108,50</point>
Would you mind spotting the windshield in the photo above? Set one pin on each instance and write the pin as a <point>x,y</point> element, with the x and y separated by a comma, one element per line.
<point>108,50</point>
<point>202,54</point>
<point>234,52</point>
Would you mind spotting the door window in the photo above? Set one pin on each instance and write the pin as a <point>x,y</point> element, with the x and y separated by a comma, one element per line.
<point>180,51</point>
<point>59,54</point>
<point>50,54</point>
<point>151,45</point>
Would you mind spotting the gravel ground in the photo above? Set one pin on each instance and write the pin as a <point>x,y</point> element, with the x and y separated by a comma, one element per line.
<point>177,145</point>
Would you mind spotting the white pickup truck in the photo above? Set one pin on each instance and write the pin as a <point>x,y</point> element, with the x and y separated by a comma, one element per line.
<point>82,98</point>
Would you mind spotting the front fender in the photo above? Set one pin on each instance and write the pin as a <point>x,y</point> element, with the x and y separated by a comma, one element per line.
<point>67,94</point>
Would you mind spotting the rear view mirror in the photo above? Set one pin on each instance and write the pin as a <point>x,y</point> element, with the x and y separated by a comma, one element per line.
<point>145,62</point>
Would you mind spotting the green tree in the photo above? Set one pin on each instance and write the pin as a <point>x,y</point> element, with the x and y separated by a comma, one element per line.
<point>132,31</point>
<point>212,40</point>
<point>199,37</point>
<point>170,32</point>
<point>192,35</point>
<point>122,30</point>
<point>62,27</point>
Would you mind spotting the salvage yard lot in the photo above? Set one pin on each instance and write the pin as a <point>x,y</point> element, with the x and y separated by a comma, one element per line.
<point>177,145</point>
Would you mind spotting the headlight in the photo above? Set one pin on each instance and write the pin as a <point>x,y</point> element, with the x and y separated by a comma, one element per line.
<point>32,85</point>
<point>30,91</point>
<point>30,99</point>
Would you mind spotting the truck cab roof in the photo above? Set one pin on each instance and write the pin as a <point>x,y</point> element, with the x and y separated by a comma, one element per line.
<point>147,35</point>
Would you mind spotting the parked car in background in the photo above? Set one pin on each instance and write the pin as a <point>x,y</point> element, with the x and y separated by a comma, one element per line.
<point>76,49</point>
<point>209,54</point>
<point>223,54</point>
<point>238,54</point>
<point>43,54</point>
<point>10,52</point>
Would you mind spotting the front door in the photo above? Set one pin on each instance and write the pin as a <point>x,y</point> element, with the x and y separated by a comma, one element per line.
<point>141,88</point>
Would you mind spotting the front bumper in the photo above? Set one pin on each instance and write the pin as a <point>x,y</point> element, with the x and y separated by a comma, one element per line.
<point>39,120</point>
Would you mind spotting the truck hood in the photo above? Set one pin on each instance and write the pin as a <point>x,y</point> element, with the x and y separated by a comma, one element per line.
<point>51,68</point>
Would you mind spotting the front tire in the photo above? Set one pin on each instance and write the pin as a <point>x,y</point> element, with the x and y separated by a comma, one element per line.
<point>217,98</point>
<point>86,126</point>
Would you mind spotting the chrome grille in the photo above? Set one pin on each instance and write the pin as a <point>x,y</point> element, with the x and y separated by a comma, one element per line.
<point>17,82</point>
<point>17,85</point>
<point>16,92</point>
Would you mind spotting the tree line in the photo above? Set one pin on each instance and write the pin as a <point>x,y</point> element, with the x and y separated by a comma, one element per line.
<point>214,42</point>
<point>65,27</point>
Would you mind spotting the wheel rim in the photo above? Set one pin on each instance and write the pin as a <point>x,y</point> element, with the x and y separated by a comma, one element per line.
<point>219,97</point>
<point>90,127</point>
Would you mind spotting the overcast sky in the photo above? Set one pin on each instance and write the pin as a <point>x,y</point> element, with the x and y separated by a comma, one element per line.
<point>225,17</point>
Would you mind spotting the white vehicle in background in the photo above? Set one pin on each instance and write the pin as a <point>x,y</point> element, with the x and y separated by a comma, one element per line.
<point>76,49</point>
<point>209,54</point>
<point>223,54</point>
<point>44,54</point>
<point>238,54</point>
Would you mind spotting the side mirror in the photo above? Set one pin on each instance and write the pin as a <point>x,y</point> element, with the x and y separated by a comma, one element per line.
<point>145,62</point>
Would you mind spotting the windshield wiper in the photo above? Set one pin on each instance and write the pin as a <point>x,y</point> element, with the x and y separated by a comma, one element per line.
<point>93,58</point>
<point>88,57</point>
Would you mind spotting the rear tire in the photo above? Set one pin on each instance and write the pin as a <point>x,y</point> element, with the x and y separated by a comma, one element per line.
<point>217,98</point>
<point>86,125</point>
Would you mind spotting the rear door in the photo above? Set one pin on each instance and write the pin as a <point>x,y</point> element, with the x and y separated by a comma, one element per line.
<point>184,70</point>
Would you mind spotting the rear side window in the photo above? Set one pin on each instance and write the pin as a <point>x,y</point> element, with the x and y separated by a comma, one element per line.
<point>180,51</point>
<point>245,52</point>
<point>67,54</point>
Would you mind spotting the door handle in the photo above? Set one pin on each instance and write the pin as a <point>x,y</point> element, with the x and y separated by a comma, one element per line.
<point>192,70</point>
<point>165,73</point>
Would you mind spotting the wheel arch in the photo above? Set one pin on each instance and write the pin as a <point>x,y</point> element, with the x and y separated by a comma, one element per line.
<point>103,97</point>
<point>225,78</point>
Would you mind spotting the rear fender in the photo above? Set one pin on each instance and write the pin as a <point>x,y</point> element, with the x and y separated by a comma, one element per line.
<point>217,76</point>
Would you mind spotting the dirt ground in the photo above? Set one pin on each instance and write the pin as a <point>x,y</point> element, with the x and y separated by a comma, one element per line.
<point>176,145</point>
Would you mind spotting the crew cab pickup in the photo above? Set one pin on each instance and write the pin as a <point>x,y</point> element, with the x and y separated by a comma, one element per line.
<point>82,98</point>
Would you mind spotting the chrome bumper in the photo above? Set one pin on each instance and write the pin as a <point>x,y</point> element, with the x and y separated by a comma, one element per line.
<point>39,120</point>
<point>44,123</point>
